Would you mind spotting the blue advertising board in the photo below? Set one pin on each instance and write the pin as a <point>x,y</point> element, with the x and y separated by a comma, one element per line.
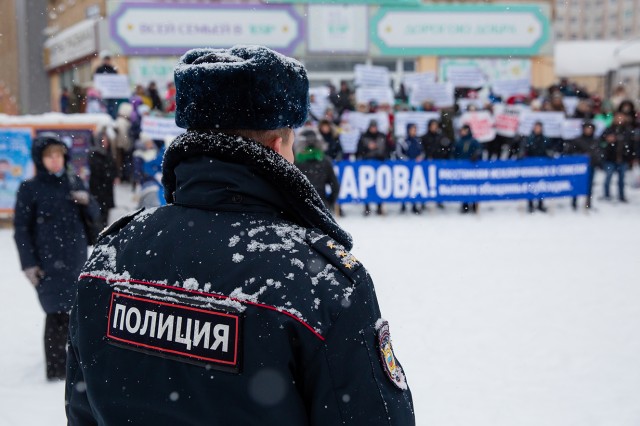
<point>15,164</point>
<point>462,181</point>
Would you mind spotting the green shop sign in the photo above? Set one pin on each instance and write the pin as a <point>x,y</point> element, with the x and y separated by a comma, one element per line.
<point>468,30</point>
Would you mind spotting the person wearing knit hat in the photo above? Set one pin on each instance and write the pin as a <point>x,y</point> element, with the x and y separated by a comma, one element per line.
<point>238,302</point>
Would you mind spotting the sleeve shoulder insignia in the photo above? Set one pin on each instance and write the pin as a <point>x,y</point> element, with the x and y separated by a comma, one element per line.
<point>119,224</point>
<point>336,254</point>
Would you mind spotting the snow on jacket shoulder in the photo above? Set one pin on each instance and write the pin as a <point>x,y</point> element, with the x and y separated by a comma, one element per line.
<point>227,296</point>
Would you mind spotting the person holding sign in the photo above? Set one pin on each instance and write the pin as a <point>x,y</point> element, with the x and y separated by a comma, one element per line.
<point>410,148</point>
<point>536,146</point>
<point>372,146</point>
<point>469,149</point>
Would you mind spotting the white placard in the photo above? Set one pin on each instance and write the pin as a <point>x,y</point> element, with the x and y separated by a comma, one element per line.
<point>440,94</point>
<point>509,88</point>
<point>349,141</point>
<point>372,76</point>
<point>551,123</point>
<point>360,121</point>
<point>419,118</point>
<point>465,76</point>
<point>572,128</point>
<point>411,80</point>
<point>379,95</point>
<point>481,123</point>
<point>159,128</point>
<point>570,104</point>
<point>319,97</point>
<point>112,86</point>
<point>464,103</point>
<point>337,28</point>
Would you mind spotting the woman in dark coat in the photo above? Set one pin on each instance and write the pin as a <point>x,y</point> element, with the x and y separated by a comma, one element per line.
<point>52,242</point>
<point>372,146</point>
<point>317,167</point>
<point>467,148</point>
<point>104,173</point>
<point>536,146</point>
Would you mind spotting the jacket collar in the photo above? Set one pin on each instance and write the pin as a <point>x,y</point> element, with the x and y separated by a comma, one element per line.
<point>245,168</point>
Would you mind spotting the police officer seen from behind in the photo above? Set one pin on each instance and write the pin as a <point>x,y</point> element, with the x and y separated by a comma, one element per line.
<point>238,303</point>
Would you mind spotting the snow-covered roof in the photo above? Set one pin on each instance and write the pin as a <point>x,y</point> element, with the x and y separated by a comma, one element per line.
<point>585,58</point>
<point>51,118</point>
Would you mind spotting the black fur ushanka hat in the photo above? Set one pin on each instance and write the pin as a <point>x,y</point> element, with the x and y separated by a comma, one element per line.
<point>245,87</point>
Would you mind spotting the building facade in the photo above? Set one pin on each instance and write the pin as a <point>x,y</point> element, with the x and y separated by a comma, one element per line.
<point>597,19</point>
<point>23,83</point>
<point>146,38</point>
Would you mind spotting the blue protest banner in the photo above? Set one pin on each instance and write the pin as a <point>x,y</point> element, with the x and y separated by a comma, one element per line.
<point>462,181</point>
<point>15,164</point>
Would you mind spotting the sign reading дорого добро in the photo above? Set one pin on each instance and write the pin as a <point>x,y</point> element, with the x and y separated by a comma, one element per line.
<point>461,30</point>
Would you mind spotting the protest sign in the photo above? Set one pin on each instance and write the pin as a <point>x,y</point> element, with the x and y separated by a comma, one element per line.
<point>551,123</point>
<point>319,101</point>
<point>464,103</point>
<point>572,128</point>
<point>15,164</point>
<point>112,86</point>
<point>160,128</point>
<point>508,88</point>
<point>481,123</point>
<point>349,141</point>
<point>360,121</point>
<point>570,104</point>
<point>465,76</point>
<point>371,76</point>
<point>419,118</point>
<point>379,95</point>
<point>507,119</point>
<point>440,94</point>
<point>461,181</point>
<point>418,79</point>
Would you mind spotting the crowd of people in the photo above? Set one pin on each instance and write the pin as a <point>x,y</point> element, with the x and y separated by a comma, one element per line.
<point>133,157</point>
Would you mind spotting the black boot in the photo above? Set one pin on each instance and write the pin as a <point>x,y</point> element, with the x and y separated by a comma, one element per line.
<point>530,207</point>
<point>55,342</point>
<point>541,207</point>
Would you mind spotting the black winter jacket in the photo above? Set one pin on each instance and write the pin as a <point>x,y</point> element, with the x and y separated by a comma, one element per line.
<point>320,173</point>
<point>50,232</point>
<point>437,146</point>
<point>103,174</point>
<point>236,304</point>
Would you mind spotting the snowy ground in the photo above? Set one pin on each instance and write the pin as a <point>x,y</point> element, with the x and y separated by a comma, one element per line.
<point>499,319</point>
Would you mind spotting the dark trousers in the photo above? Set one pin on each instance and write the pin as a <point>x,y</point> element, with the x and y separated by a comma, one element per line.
<point>574,202</point>
<point>55,342</point>
<point>610,169</point>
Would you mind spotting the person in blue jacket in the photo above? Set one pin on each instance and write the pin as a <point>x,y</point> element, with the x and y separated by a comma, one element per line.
<point>238,303</point>
<point>410,148</point>
<point>469,149</point>
<point>51,237</point>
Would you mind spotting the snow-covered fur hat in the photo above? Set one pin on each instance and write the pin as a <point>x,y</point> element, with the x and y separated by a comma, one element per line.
<point>245,87</point>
